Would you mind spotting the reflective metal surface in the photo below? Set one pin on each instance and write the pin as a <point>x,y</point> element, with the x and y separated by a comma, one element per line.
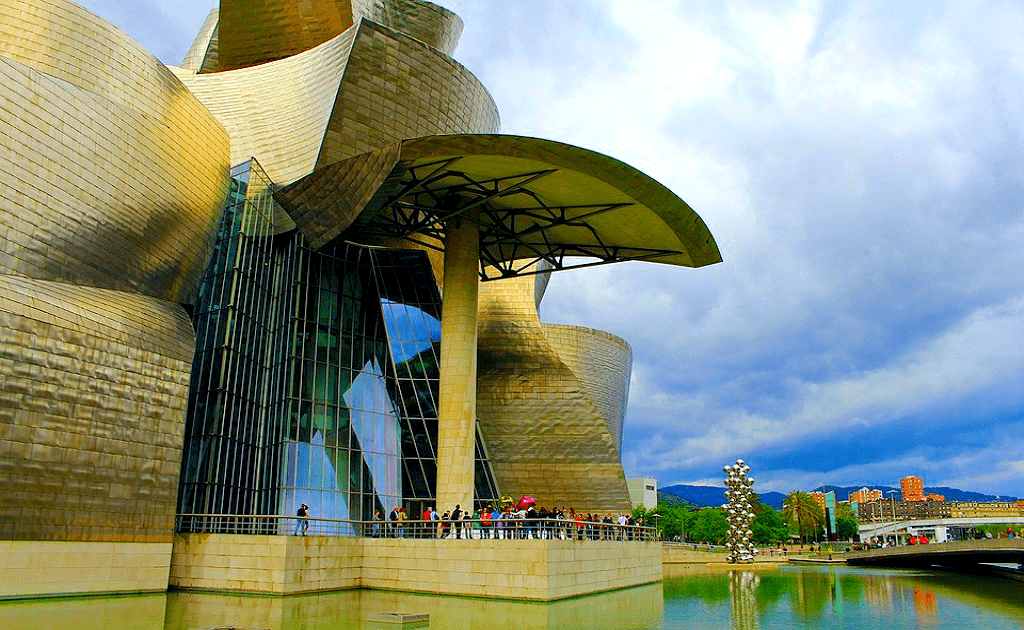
<point>113,175</point>
<point>93,386</point>
<point>359,91</point>
<point>251,33</point>
<point>546,428</point>
<point>603,364</point>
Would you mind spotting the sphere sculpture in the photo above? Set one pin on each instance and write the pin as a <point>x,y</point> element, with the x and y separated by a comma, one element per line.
<point>739,513</point>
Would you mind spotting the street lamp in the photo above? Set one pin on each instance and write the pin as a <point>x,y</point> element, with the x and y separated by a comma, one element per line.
<point>892,498</point>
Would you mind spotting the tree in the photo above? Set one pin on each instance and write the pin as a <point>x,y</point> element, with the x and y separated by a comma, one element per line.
<point>846,528</point>
<point>670,518</point>
<point>709,526</point>
<point>802,511</point>
<point>768,525</point>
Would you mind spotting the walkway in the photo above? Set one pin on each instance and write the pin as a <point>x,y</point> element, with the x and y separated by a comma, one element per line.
<point>952,555</point>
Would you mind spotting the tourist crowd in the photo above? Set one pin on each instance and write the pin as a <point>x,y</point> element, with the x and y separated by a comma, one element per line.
<point>508,523</point>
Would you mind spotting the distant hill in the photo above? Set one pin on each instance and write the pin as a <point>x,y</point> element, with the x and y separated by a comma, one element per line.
<point>711,496</point>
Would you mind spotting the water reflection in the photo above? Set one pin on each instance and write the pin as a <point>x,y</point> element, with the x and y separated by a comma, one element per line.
<point>694,598</point>
<point>839,597</point>
<point>634,608</point>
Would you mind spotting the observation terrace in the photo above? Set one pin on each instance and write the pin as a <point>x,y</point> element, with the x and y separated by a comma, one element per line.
<point>538,560</point>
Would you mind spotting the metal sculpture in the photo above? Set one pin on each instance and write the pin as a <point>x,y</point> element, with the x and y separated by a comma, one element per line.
<point>739,513</point>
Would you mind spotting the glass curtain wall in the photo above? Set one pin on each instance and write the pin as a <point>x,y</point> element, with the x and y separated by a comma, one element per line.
<point>226,411</point>
<point>411,306</point>
<point>316,374</point>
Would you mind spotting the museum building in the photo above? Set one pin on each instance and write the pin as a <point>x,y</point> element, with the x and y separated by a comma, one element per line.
<point>301,267</point>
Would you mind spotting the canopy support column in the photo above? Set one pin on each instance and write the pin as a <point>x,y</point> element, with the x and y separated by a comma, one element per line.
<point>456,414</point>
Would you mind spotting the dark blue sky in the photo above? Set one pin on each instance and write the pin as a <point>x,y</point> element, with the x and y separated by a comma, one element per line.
<point>860,165</point>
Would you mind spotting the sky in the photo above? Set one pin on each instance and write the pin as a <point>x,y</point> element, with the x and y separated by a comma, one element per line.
<point>860,166</point>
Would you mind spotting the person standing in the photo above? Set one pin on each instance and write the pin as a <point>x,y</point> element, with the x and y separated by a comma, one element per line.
<point>485,523</point>
<point>302,522</point>
<point>393,522</point>
<point>378,522</point>
<point>426,525</point>
<point>457,521</point>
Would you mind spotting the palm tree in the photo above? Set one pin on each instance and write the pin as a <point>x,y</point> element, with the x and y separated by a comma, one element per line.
<point>801,509</point>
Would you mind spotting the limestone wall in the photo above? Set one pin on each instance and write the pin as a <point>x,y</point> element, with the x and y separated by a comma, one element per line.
<point>540,570</point>
<point>38,568</point>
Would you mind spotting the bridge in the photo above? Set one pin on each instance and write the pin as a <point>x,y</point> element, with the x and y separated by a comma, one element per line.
<point>888,528</point>
<point>959,556</point>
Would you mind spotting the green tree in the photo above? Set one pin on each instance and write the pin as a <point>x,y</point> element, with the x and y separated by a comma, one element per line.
<point>768,525</point>
<point>803,512</point>
<point>846,527</point>
<point>709,526</point>
<point>671,520</point>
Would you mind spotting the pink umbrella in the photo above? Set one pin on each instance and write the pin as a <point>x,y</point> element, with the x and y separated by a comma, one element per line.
<point>525,503</point>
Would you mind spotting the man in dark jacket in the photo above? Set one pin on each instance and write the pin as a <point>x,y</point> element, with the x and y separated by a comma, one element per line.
<point>457,521</point>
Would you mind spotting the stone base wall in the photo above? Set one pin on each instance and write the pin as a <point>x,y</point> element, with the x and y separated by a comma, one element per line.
<point>49,569</point>
<point>539,570</point>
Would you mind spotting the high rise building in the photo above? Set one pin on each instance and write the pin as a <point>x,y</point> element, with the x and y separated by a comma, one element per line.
<point>912,488</point>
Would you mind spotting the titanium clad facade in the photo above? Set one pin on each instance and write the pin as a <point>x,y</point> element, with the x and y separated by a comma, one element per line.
<point>547,429</point>
<point>93,386</point>
<point>166,350</point>
<point>363,89</point>
<point>113,177</point>
<point>603,364</point>
<point>114,173</point>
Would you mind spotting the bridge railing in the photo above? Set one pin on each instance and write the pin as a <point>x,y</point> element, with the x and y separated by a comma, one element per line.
<point>502,529</point>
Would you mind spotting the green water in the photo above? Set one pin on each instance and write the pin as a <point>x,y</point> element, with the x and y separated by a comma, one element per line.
<point>788,597</point>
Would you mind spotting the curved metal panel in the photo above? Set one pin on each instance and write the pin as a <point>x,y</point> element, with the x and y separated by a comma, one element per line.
<point>118,172</point>
<point>603,363</point>
<point>369,87</point>
<point>205,45</point>
<point>93,389</point>
<point>433,25</point>
<point>277,112</point>
<point>391,92</point>
<point>546,434</point>
<point>253,32</point>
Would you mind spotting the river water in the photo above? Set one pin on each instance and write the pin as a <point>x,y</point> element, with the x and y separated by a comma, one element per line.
<point>785,597</point>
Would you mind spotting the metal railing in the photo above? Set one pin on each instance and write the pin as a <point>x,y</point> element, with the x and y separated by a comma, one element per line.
<point>501,529</point>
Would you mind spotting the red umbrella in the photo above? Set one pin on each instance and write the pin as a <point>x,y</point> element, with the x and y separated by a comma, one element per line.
<point>525,503</point>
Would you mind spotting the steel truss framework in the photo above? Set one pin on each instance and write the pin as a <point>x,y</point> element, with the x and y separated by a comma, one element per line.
<point>513,220</point>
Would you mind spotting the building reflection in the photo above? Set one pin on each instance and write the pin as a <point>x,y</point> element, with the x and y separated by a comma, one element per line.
<point>926,608</point>
<point>639,608</point>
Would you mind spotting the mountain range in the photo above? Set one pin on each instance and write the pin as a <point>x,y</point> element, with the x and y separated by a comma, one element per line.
<point>711,496</point>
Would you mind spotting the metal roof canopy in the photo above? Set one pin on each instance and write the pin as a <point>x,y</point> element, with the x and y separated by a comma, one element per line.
<point>534,200</point>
